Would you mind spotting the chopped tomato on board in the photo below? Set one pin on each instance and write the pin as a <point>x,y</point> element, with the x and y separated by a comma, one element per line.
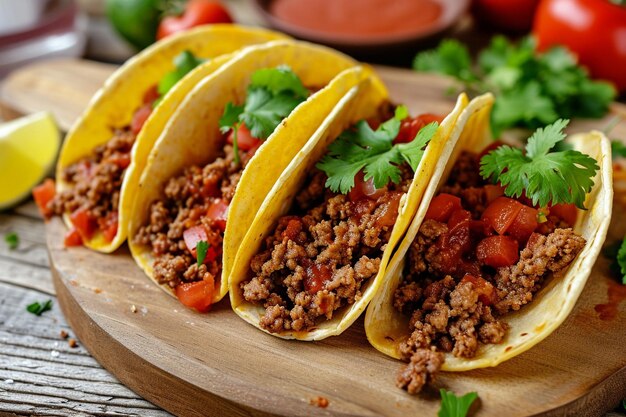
<point>497,251</point>
<point>197,295</point>
<point>43,194</point>
<point>442,206</point>
<point>501,213</point>
<point>218,212</point>
<point>245,140</point>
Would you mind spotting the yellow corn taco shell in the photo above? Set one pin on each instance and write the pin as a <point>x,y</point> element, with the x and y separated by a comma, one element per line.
<point>386,328</point>
<point>121,95</point>
<point>192,135</point>
<point>361,103</point>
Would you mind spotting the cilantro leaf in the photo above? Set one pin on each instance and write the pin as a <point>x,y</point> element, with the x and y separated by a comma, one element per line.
<point>184,63</point>
<point>545,177</point>
<point>618,149</point>
<point>12,240</point>
<point>272,95</point>
<point>38,309</point>
<point>201,250</point>
<point>621,260</point>
<point>450,58</point>
<point>373,152</point>
<point>453,406</point>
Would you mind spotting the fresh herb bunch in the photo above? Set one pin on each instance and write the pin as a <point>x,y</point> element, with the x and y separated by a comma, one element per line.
<point>532,89</point>
<point>272,94</point>
<point>373,152</point>
<point>453,406</point>
<point>184,63</point>
<point>543,175</point>
<point>38,308</point>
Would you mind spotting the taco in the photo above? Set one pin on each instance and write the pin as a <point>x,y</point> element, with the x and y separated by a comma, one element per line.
<point>107,148</point>
<point>222,152</point>
<point>497,253</point>
<point>318,249</point>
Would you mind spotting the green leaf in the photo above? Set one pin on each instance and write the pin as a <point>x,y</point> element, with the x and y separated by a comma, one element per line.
<point>230,117</point>
<point>373,152</point>
<point>453,406</point>
<point>621,260</point>
<point>523,106</point>
<point>201,249</point>
<point>12,240</point>
<point>618,149</point>
<point>450,58</point>
<point>38,309</point>
<point>184,63</point>
<point>278,80</point>
<point>545,177</point>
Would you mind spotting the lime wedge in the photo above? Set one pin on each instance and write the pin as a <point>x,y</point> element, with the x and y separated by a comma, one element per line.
<point>28,148</point>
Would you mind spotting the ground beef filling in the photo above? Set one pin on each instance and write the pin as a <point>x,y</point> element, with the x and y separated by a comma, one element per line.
<point>450,309</point>
<point>187,199</point>
<point>320,256</point>
<point>96,180</point>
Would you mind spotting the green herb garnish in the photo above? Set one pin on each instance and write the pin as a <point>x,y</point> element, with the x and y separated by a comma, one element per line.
<point>38,309</point>
<point>201,250</point>
<point>273,93</point>
<point>12,240</point>
<point>616,252</point>
<point>618,149</point>
<point>531,88</point>
<point>373,152</point>
<point>184,63</point>
<point>544,176</point>
<point>453,406</point>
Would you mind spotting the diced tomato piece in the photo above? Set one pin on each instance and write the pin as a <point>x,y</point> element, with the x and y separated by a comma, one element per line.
<point>486,290</point>
<point>492,147</point>
<point>524,224</point>
<point>293,229</point>
<point>140,117</point>
<point>533,239</point>
<point>458,236</point>
<point>111,225</point>
<point>72,238</point>
<point>151,95</point>
<point>365,189</point>
<point>120,159</point>
<point>218,212</point>
<point>565,212</point>
<point>497,251</point>
<point>84,223</point>
<point>388,216</point>
<point>210,187</point>
<point>501,213</point>
<point>245,140</point>
<point>43,194</point>
<point>410,127</point>
<point>316,276</point>
<point>442,206</point>
<point>197,295</point>
<point>492,192</point>
<point>459,217</point>
<point>192,236</point>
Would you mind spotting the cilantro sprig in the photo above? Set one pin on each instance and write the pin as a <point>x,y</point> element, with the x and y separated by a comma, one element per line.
<point>38,308</point>
<point>453,406</point>
<point>202,248</point>
<point>184,63</point>
<point>531,88</point>
<point>545,177</point>
<point>616,252</point>
<point>373,152</point>
<point>12,240</point>
<point>272,95</point>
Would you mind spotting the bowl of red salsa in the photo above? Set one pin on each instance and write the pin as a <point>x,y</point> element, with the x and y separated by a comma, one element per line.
<point>362,25</point>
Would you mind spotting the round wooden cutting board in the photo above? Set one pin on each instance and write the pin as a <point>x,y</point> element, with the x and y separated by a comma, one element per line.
<point>215,364</point>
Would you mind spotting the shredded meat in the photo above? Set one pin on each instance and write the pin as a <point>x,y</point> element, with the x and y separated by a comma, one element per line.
<point>421,370</point>
<point>187,198</point>
<point>321,254</point>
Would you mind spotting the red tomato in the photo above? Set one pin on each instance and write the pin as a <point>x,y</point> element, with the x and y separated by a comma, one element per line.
<point>487,293</point>
<point>72,238</point>
<point>511,16</point>
<point>245,140</point>
<point>192,236</point>
<point>594,30</point>
<point>365,189</point>
<point>492,192</point>
<point>197,12</point>
<point>197,295</point>
<point>316,276</point>
<point>43,194</point>
<point>501,213</point>
<point>110,231</point>
<point>442,206</point>
<point>218,212</point>
<point>389,214</point>
<point>411,126</point>
<point>565,212</point>
<point>84,223</point>
<point>151,94</point>
<point>458,235</point>
<point>524,224</point>
<point>120,159</point>
<point>140,117</point>
<point>497,251</point>
<point>293,229</point>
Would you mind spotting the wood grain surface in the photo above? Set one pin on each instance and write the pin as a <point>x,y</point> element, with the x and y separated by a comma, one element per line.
<point>215,364</point>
